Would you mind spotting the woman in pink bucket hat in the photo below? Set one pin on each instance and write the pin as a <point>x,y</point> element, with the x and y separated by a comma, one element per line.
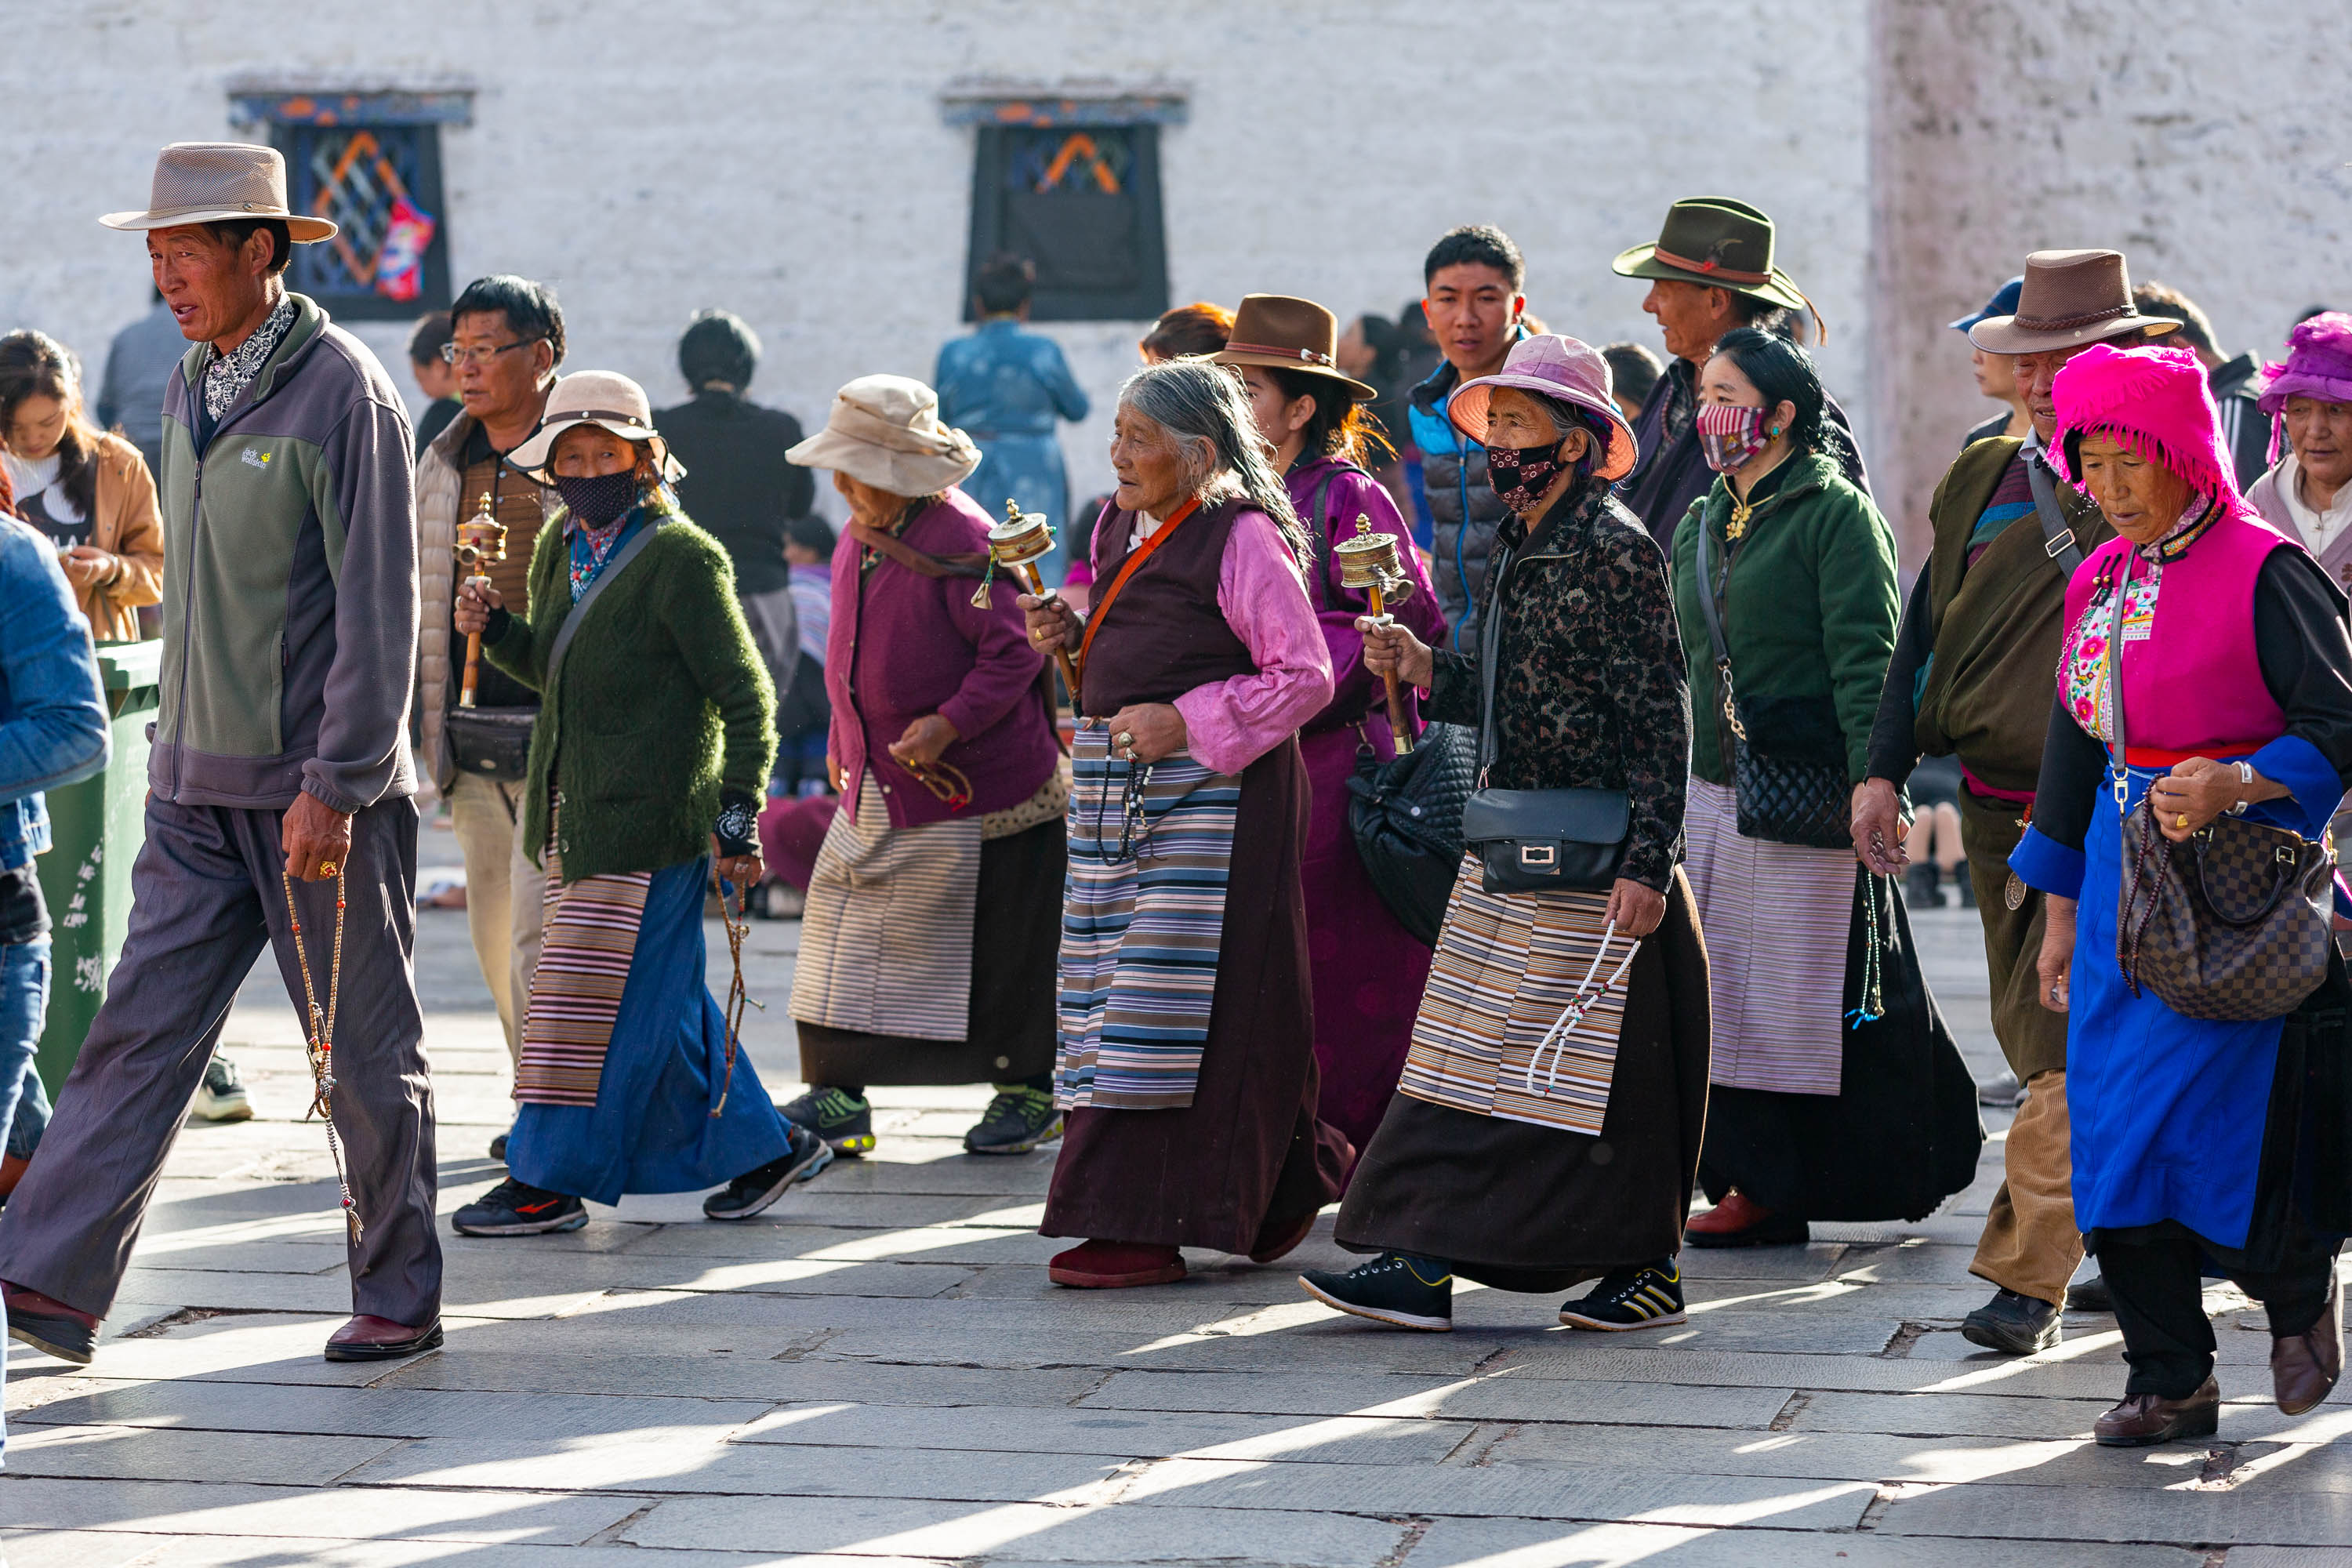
<point>1547,1129</point>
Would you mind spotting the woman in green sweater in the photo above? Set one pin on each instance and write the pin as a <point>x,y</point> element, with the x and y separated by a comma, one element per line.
<point>1784,587</point>
<point>649,758</point>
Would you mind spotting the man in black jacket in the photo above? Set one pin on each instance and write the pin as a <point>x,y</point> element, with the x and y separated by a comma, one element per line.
<point>2244,425</point>
<point>1710,271</point>
<point>738,486</point>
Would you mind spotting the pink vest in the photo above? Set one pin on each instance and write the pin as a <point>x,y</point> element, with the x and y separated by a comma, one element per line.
<point>2193,687</point>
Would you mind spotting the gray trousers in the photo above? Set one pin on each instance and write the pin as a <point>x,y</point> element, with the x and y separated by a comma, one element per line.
<point>207,899</point>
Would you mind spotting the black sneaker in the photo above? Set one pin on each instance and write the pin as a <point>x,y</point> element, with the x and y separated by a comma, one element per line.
<point>518,1209</point>
<point>2091,1295</point>
<point>1647,1298</point>
<point>839,1117</point>
<point>752,1190</point>
<point>221,1096</point>
<point>1015,1121</point>
<point>2014,1324</point>
<point>1390,1289</point>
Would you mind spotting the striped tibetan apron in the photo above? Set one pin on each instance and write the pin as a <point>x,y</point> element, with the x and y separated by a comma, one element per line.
<point>1519,1020</point>
<point>1143,917</point>
<point>589,939</point>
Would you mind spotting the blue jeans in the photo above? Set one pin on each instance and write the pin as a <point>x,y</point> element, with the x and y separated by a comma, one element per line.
<point>24,1000</point>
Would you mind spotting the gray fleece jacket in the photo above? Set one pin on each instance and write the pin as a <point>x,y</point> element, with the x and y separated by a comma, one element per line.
<point>289,582</point>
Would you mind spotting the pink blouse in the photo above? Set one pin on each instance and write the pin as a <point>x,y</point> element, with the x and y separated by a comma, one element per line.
<point>1229,724</point>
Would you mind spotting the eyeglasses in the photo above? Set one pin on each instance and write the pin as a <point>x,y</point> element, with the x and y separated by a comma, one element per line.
<point>452,354</point>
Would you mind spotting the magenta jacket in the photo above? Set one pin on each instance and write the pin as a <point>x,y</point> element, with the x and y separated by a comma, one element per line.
<point>902,646</point>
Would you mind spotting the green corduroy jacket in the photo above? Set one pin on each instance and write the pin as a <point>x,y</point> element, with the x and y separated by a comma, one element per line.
<point>1811,612</point>
<point>661,701</point>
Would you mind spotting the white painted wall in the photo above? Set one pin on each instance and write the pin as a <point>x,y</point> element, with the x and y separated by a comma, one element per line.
<point>788,159</point>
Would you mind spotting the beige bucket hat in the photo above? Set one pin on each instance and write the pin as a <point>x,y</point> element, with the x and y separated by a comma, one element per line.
<point>219,181</point>
<point>600,397</point>
<point>884,431</point>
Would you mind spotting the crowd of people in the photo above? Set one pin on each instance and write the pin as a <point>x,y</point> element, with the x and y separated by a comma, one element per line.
<point>1458,773</point>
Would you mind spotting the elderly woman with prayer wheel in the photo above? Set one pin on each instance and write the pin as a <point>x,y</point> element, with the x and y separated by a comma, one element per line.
<point>927,948</point>
<point>652,748</point>
<point>2201,736</point>
<point>1548,1127</point>
<point>1187,1056</point>
<point>1367,969</point>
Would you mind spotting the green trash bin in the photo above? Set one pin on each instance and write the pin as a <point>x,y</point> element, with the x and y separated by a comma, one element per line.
<point>97,826</point>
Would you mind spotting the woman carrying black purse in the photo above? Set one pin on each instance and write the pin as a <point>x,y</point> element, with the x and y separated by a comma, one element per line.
<point>1548,1124</point>
<point>1837,1092</point>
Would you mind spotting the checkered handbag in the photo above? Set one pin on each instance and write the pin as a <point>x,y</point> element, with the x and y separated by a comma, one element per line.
<point>2232,924</point>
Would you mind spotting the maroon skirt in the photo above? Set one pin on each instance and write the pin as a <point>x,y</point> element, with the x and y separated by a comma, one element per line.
<point>1248,1153</point>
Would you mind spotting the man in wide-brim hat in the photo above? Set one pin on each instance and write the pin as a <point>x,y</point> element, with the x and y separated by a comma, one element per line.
<point>280,772</point>
<point>1710,270</point>
<point>1971,678</point>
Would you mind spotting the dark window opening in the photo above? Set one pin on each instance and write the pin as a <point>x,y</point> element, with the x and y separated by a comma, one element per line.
<point>1082,203</point>
<point>381,184</point>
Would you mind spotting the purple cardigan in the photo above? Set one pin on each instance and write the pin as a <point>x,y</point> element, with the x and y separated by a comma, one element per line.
<point>903,646</point>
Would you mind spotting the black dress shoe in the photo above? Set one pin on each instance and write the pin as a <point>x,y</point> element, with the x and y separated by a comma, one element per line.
<point>2014,1324</point>
<point>2146,1418</point>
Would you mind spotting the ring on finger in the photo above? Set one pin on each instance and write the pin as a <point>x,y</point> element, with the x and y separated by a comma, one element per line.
<point>1124,738</point>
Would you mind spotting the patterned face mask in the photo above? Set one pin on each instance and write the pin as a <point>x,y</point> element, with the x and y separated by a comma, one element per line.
<point>602,499</point>
<point>1730,435</point>
<point>1520,474</point>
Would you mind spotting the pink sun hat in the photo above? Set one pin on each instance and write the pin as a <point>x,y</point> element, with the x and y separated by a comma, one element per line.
<point>1551,366</point>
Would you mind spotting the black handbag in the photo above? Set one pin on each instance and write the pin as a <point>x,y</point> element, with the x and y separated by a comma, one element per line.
<point>1405,816</point>
<point>493,742</point>
<point>1535,840</point>
<point>1787,755</point>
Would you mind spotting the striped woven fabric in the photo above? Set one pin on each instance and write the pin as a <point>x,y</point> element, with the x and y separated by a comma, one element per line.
<point>1508,967</point>
<point>885,939</point>
<point>1776,917</point>
<point>1141,933</point>
<point>590,935</point>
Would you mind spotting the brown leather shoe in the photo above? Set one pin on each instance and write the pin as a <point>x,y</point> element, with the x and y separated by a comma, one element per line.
<point>2146,1418</point>
<point>366,1338</point>
<point>2305,1366</point>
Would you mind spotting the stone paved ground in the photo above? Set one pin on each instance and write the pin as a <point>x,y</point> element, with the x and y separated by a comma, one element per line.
<point>877,1372</point>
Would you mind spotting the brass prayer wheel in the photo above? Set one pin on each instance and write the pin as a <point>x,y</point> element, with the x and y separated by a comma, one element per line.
<point>1369,561</point>
<point>481,538</point>
<point>1021,538</point>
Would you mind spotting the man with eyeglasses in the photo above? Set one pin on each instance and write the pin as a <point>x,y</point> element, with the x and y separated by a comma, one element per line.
<point>506,342</point>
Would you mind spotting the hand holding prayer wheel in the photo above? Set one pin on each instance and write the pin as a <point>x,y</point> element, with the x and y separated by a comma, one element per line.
<point>481,538</point>
<point>1393,653</point>
<point>1369,561</point>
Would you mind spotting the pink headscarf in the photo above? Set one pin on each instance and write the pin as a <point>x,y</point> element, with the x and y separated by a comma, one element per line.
<point>2156,402</point>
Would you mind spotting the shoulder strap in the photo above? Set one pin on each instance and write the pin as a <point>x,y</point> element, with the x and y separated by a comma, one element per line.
<point>1490,649</point>
<point>612,568</point>
<point>1320,533</point>
<point>1708,608</point>
<point>914,559</point>
<point>2057,535</point>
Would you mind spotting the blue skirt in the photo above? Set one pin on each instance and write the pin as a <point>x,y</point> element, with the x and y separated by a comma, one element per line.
<point>651,1127</point>
<point>2168,1112</point>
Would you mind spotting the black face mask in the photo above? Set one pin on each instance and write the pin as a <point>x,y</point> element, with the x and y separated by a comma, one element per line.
<point>599,502</point>
<point>1520,474</point>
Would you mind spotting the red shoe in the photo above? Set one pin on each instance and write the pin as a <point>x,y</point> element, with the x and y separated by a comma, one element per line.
<point>1741,1221</point>
<point>1115,1264</point>
<point>1276,1241</point>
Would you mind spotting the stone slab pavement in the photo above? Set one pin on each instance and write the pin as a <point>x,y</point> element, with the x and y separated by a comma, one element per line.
<point>877,1372</point>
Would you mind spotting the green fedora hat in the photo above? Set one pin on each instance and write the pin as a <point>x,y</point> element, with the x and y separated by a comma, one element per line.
<point>1717,242</point>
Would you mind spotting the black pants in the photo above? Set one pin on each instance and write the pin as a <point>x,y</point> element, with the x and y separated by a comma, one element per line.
<point>2159,1287</point>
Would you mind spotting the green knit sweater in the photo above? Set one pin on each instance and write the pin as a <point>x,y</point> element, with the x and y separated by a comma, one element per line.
<point>662,701</point>
<point>1811,612</point>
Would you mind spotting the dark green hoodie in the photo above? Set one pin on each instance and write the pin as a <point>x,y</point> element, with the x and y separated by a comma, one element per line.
<point>1809,613</point>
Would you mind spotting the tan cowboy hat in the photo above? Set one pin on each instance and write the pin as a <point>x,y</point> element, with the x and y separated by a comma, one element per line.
<point>1716,243</point>
<point>1281,333</point>
<point>884,431</point>
<point>220,182</point>
<point>604,398</point>
<point>2069,298</point>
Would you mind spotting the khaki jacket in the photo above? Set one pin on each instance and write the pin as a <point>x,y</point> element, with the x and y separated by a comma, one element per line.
<point>439,478</point>
<point>126,524</point>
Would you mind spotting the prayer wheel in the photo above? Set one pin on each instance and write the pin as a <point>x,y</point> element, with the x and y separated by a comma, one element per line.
<point>1369,561</point>
<point>1022,537</point>
<point>481,538</point>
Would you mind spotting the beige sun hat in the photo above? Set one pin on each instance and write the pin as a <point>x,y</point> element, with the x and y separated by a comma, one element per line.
<point>606,398</point>
<point>220,182</point>
<point>884,431</point>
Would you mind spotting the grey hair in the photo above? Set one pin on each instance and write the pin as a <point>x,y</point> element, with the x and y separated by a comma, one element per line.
<point>1202,407</point>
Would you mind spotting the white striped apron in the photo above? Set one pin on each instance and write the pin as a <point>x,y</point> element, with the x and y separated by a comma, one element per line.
<point>1776,917</point>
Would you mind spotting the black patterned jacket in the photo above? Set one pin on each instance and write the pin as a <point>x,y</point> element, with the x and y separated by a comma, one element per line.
<point>1591,690</point>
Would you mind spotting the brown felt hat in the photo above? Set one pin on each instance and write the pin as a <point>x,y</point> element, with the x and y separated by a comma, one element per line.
<point>1716,243</point>
<point>1281,333</point>
<point>2069,297</point>
<point>220,182</point>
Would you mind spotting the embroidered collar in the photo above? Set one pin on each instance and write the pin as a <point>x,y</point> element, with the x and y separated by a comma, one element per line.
<point>230,374</point>
<point>2201,515</point>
